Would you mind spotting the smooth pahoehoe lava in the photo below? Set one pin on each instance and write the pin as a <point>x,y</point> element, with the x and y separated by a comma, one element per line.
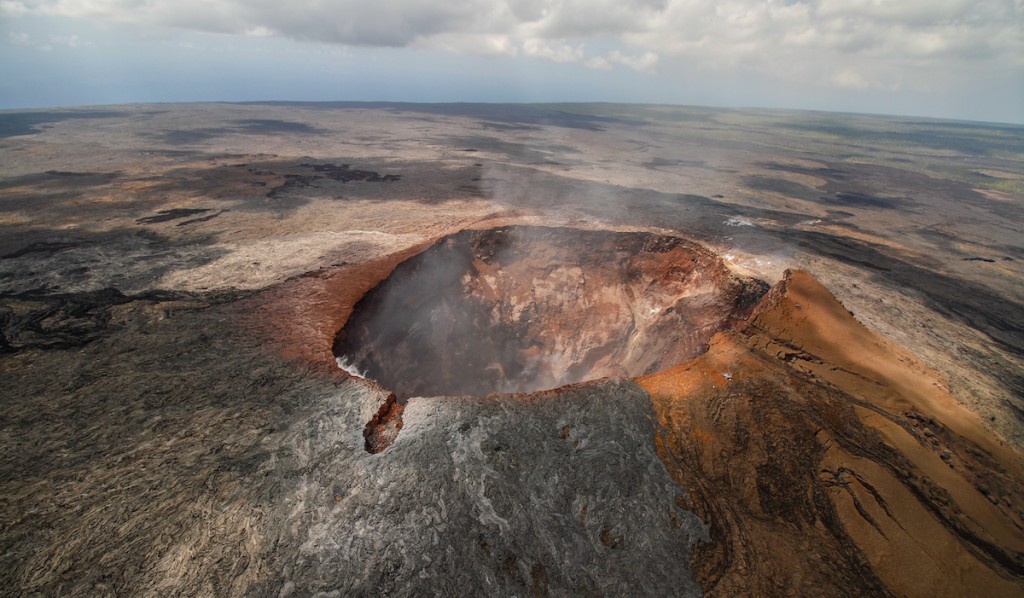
<point>522,309</point>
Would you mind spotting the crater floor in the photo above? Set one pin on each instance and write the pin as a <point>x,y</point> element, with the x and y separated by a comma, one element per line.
<point>520,309</point>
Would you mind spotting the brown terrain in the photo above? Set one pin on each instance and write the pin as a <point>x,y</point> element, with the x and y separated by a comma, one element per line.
<point>601,351</point>
<point>811,445</point>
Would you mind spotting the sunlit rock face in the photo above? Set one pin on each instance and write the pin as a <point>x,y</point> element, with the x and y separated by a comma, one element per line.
<point>520,309</point>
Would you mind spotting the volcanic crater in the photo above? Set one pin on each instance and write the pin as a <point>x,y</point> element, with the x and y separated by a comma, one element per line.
<point>526,308</point>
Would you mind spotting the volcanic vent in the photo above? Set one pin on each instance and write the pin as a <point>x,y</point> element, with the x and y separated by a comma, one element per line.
<point>520,309</point>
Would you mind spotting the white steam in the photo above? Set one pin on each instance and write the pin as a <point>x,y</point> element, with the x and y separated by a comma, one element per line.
<point>350,368</point>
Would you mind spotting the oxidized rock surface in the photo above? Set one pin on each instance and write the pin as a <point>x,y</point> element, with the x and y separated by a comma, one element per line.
<point>827,461</point>
<point>519,309</point>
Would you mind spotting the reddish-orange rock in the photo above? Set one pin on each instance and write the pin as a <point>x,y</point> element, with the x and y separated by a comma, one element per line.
<point>827,461</point>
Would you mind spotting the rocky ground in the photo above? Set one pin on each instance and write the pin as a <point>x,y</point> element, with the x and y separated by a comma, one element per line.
<point>172,279</point>
<point>833,463</point>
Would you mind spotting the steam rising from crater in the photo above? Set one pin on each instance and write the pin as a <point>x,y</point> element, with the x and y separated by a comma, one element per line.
<point>520,309</point>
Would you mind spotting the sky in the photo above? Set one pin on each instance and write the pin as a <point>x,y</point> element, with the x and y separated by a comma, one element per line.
<point>961,59</point>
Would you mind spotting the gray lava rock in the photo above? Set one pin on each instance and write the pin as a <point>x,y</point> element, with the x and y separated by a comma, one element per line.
<point>179,456</point>
<point>501,496</point>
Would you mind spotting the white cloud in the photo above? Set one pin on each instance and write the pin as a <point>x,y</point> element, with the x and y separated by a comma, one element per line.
<point>259,31</point>
<point>591,18</point>
<point>598,63</point>
<point>854,44</point>
<point>646,63</point>
<point>472,44</point>
<point>551,50</point>
<point>12,8</point>
<point>851,79</point>
<point>907,12</point>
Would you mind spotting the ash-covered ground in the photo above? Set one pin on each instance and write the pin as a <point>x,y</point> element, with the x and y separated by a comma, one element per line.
<point>172,278</point>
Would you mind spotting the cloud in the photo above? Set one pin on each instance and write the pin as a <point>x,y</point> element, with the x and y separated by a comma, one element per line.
<point>598,63</point>
<point>854,44</point>
<point>353,22</point>
<point>591,18</point>
<point>24,39</point>
<point>851,79</point>
<point>560,52</point>
<point>646,63</point>
<point>472,44</point>
<point>12,8</point>
<point>552,50</point>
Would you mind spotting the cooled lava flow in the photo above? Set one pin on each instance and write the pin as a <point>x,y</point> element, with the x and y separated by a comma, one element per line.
<point>829,462</point>
<point>824,460</point>
<point>520,309</point>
